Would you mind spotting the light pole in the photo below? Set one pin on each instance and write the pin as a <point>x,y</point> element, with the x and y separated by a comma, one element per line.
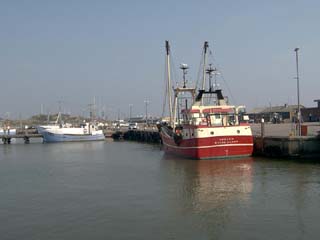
<point>146,102</point>
<point>130,111</point>
<point>298,93</point>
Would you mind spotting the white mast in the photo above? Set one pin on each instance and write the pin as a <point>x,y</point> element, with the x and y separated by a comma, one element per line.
<point>169,82</point>
<point>175,102</point>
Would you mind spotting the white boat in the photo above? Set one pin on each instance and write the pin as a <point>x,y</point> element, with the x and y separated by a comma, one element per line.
<point>87,132</point>
<point>42,128</point>
<point>54,125</point>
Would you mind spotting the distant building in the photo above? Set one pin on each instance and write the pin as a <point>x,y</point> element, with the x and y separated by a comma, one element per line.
<point>142,119</point>
<point>311,114</point>
<point>275,114</point>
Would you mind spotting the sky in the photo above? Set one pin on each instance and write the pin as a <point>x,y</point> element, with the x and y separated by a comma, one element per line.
<point>66,53</point>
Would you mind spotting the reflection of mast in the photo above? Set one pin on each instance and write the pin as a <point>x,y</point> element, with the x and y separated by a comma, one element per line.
<point>213,188</point>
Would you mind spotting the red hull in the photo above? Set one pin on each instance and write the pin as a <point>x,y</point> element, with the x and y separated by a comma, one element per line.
<point>211,147</point>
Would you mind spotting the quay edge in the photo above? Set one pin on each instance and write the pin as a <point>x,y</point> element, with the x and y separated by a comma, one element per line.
<point>289,147</point>
<point>268,146</point>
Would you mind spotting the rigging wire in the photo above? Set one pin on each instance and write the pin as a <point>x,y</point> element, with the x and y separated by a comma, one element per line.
<point>222,77</point>
<point>198,81</point>
<point>228,88</point>
<point>173,74</point>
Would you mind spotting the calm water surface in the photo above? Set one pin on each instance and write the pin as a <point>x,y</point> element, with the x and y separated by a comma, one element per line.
<point>121,190</point>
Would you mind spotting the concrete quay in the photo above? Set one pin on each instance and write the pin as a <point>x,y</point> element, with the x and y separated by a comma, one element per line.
<point>281,140</point>
<point>271,140</point>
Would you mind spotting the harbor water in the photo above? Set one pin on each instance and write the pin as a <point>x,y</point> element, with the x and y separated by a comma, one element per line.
<point>126,190</point>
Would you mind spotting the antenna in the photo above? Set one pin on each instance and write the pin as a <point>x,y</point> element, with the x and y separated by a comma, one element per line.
<point>210,71</point>
<point>167,47</point>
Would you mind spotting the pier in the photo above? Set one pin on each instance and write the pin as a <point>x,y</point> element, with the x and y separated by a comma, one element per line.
<point>6,139</point>
<point>25,134</point>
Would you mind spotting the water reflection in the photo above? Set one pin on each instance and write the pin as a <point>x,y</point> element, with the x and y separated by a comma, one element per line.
<point>211,189</point>
<point>211,183</point>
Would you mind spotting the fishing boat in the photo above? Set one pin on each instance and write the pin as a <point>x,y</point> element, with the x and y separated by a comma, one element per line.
<point>207,127</point>
<point>86,132</point>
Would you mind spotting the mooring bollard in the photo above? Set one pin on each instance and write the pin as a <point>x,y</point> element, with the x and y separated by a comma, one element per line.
<point>262,134</point>
<point>26,139</point>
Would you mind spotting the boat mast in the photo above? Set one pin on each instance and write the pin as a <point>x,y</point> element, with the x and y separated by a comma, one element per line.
<point>210,71</point>
<point>205,47</point>
<point>169,82</point>
<point>177,90</point>
<point>184,68</point>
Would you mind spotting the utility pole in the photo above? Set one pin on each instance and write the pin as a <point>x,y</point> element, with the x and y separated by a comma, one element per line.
<point>298,93</point>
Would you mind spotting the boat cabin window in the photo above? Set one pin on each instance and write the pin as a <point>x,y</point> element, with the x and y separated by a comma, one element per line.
<point>216,119</point>
<point>222,119</point>
<point>231,119</point>
<point>211,119</point>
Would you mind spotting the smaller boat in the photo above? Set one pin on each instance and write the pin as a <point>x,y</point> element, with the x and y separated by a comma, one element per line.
<point>86,132</point>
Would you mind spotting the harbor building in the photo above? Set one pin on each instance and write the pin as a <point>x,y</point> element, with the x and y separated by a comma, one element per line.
<point>311,114</point>
<point>275,114</point>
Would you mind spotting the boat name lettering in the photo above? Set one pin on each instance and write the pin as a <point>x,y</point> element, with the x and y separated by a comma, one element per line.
<point>229,140</point>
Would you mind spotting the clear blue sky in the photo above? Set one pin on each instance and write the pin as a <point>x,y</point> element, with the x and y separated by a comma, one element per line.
<point>73,51</point>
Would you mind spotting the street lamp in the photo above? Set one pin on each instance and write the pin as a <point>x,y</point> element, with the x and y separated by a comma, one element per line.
<point>298,93</point>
